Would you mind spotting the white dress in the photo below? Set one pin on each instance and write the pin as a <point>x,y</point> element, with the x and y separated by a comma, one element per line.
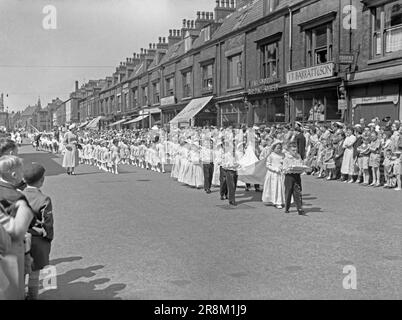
<point>348,162</point>
<point>274,186</point>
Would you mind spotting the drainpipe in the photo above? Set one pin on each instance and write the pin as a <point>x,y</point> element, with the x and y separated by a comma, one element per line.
<point>290,38</point>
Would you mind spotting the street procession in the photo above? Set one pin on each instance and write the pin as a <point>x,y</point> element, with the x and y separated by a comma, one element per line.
<point>254,154</point>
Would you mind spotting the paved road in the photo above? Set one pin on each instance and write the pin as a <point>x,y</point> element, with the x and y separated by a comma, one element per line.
<point>141,235</point>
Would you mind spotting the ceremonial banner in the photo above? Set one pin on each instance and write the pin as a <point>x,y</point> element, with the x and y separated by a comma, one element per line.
<point>254,173</point>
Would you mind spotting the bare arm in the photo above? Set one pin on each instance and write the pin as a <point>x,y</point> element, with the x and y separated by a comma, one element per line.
<point>22,220</point>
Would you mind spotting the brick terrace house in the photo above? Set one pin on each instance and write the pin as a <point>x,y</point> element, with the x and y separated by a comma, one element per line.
<point>258,62</point>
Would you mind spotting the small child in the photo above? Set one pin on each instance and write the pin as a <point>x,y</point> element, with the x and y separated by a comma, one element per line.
<point>397,169</point>
<point>389,169</point>
<point>329,161</point>
<point>293,186</point>
<point>42,232</point>
<point>363,161</point>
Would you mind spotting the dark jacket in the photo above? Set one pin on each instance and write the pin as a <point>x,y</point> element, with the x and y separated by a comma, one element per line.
<point>42,208</point>
<point>301,145</point>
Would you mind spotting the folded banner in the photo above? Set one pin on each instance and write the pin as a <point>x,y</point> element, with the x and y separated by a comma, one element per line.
<point>254,173</point>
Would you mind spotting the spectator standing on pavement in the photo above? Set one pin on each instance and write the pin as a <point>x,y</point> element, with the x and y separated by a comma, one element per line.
<point>42,231</point>
<point>15,220</point>
<point>70,160</point>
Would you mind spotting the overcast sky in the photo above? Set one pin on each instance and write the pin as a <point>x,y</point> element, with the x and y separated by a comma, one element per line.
<point>37,62</point>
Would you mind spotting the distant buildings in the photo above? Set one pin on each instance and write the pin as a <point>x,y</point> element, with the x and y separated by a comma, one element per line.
<point>257,62</point>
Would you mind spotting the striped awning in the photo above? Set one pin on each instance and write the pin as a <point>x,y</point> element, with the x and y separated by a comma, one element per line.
<point>138,119</point>
<point>117,122</point>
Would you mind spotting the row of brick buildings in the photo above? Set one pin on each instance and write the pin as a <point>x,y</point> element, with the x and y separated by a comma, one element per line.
<point>256,62</point>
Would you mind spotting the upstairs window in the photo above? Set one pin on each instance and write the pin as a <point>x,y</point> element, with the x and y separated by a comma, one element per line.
<point>387,28</point>
<point>319,43</point>
<point>269,60</point>
<point>135,97</point>
<point>207,33</point>
<point>207,77</point>
<point>156,91</point>
<point>169,86</point>
<point>187,84</point>
<point>144,96</point>
<point>234,71</point>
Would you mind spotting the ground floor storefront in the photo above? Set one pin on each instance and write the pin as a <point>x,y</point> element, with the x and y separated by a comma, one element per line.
<point>371,100</point>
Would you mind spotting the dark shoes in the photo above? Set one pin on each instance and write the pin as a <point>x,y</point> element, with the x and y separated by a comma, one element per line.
<point>208,191</point>
<point>224,198</point>
<point>301,212</point>
<point>232,203</point>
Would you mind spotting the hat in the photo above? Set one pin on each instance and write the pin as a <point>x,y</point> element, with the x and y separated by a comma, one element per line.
<point>275,143</point>
<point>339,124</point>
<point>397,152</point>
<point>72,126</point>
<point>386,119</point>
<point>33,173</point>
<point>297,123</point>
<point>358,125</point>
<point>371,125</point>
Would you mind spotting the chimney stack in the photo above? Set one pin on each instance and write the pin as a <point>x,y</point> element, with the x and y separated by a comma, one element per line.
<point>174,37</point>
<point>76,85</point>
<point>223,9</point>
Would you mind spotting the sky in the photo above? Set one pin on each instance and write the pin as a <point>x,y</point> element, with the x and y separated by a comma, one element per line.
<point>90,40</point>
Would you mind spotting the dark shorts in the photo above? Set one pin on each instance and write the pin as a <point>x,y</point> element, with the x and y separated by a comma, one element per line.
<point>40,252</point>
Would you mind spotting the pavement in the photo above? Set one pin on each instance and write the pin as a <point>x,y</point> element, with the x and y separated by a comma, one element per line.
<point>141,235</point>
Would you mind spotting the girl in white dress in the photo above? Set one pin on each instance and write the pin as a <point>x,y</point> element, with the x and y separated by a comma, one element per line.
<point>274,187</point>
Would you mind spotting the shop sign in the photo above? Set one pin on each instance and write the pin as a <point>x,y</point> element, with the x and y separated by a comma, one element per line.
<point>379,99</point>
<point>313,73</point>
<point>265,81</point>
<point>263,89</point>
<point>149,111</point>
<point>342,104</point>
<point>346,58</point>
<point>168,101</point>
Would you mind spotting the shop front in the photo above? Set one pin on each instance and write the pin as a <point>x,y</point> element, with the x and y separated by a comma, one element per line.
<point>375,100</point>
<point>233,113</point>
<point>170,109</point>
<point>267,102</point>
<point>314,94</point>
<point>197,113</point>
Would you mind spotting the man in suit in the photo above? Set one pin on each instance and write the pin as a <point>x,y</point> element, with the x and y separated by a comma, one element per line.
<point>300,140</point>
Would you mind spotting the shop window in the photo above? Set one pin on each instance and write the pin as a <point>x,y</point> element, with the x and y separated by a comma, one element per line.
<point>187,84</point>
<point>207,77</point>
<point>319,42</point>
<point>322,106</point>
<point>169,86</point>
<point>387,28</point>
<point>269,60</point>
<point>234,71</point>
<point>156,91</point>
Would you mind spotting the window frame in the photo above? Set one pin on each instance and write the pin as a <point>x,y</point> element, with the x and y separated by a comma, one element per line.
<point>239,83</point>
<point>379,36</point>
<point>156,97</point>
<point>169,92</point>
<point>311,44</point>
<point>187,89</point>
<point>205,77</point>
<point>265,62</point>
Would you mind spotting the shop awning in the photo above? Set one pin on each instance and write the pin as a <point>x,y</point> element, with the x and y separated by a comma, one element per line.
<point>117,122</point>
<point>138,119</point>
<point>191,110</point>
<point>93,124</point>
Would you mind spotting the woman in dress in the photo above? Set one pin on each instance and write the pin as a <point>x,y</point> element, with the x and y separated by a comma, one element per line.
<point>274,188</point>
<point>70,159</point>
<point>348,163</point>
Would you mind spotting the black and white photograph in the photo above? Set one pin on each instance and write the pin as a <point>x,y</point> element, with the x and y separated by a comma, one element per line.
<point>200,150</point>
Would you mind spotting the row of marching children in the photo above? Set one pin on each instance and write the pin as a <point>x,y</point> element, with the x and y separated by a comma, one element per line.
<point>107,155</point>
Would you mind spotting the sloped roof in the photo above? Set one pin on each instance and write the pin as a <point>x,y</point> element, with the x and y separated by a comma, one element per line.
<point>174,51</point>
<point>29,111</point>
<point>240,18</point>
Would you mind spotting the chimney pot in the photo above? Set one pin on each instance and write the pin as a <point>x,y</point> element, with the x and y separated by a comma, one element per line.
<point>170,32</point>
<point>164,40</point>
<point>217,3</point>
<point>184,23</point>
<point>142,50</point>
<point>206,15</point>
<point>150,46</point>
<point>188,24</point>
<point>211,15</point>
<point>198,15</point>
<point>160,39</point>
<point>154,46</point>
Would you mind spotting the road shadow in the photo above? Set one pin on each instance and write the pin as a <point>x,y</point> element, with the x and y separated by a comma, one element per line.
<point>55,262</point>
<point>45,159</point>
<point>68,288</point>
